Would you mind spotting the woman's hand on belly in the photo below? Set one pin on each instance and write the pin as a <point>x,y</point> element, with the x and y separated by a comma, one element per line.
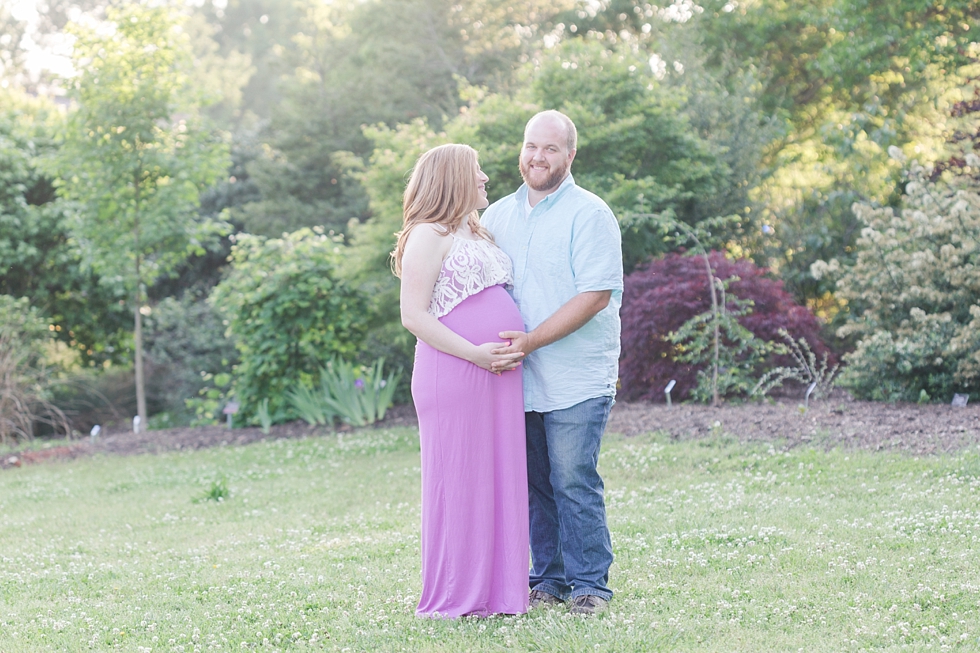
<point>484,357</point>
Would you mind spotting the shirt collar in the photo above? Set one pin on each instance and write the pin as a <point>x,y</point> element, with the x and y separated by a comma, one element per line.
<point>550,197</point>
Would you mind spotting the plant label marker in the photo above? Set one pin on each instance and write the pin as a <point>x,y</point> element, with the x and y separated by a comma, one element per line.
<point>806,398</point>
<point>95,431</point>
<point>670,386</point>
<point>959,401</point>
<point>136,424</point>
<point>230,409</point>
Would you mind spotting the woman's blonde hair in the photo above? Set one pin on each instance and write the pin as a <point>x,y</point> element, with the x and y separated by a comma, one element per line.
<point>441,190</point>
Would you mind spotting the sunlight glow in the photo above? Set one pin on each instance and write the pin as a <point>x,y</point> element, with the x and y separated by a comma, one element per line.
<point>53,55</point>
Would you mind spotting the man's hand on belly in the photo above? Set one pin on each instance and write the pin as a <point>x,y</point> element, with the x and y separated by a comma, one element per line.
<point>518,344</point>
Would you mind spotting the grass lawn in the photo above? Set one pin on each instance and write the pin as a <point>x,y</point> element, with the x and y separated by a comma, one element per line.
<point>719,547</point>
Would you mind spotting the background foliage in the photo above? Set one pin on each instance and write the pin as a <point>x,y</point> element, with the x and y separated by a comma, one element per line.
<point>914,294</point>
<point>135,157</point>
<point>660,297</point>
<point>781,116</point>
<point>37,258</point>
<point>24,372</point>
<point>288,313</point>
<point>186,346</point>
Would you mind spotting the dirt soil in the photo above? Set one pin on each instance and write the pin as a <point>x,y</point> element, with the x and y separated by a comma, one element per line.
<point>843,423</point>
<point>835,422</point>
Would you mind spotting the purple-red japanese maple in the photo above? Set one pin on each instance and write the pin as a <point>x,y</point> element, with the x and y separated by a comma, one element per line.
<point>662,295</point>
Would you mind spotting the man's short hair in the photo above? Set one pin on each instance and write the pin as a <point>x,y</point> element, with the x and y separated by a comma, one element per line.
<point>570,131</point>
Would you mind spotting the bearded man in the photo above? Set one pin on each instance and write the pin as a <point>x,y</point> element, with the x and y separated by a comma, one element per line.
<point>566,248</point>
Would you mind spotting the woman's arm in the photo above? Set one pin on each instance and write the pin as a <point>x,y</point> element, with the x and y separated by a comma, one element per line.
<point>421,263</point>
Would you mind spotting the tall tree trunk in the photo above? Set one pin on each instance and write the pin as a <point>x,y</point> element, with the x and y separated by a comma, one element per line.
<point>715,313</point>
<point>138,317</point>
<point>140,385</point>
<point>715,319</point>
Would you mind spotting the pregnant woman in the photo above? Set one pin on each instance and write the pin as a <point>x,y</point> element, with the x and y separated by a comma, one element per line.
<point>469,402</point>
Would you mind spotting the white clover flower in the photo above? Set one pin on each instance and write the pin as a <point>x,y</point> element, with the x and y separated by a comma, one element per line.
<point>896,154</point>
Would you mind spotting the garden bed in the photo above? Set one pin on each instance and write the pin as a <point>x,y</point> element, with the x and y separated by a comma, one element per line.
<point>837,422</point>
<point>918,429</point>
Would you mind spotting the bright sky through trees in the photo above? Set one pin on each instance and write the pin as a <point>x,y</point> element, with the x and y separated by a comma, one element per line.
<point>53,55</point>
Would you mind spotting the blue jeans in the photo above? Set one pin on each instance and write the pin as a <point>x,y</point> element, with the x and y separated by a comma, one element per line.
<point>570,547</point>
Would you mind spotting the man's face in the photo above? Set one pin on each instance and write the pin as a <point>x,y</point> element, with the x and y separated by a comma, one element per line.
<point>545,158</point>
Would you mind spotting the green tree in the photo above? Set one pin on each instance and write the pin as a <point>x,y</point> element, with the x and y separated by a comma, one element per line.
<point>841,80</point>
<point>11,50</point>
<point>298,175</point>
<point>354,65</point>
<point>137,155</point>
<point>849,79</point>
<point>224,73</point>
<point>390,62</point>
<point>257,38</point>
<point>200,273</point>
<point>37,259</point>
<point>288,313</point>
<point>367,264</point>
<point>637,150</point>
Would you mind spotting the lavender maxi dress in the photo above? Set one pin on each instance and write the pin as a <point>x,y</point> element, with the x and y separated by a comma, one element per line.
<point>474,468</point>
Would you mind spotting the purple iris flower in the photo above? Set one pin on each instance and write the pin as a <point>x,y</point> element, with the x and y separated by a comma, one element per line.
<point>359,384</point>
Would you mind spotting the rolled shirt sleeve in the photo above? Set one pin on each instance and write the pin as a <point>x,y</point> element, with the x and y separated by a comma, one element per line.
<point>596,252</point>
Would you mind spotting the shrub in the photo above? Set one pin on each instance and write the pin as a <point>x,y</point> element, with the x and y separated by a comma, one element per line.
<point>96,396</point>
<point>207,406</point>
<point>912,293</point>
<point>186,347</point>
<point>288,313</point>
<point>187,354</point>
<point>661,296</point>
<point>24,374</point>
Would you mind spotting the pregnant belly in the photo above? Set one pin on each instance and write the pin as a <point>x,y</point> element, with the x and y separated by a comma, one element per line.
<point>481,317</point>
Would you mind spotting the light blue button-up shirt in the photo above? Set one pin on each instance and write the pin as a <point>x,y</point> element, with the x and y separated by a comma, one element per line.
<point>569,243</point>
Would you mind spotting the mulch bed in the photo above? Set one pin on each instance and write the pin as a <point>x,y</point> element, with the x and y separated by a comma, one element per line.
<point>119,441</point>
<point>912,428</point>
<point>836,422</point>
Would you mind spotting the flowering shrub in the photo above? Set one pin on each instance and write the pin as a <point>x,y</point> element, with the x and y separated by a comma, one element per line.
<point>914,293</point>
<point>661,296</point>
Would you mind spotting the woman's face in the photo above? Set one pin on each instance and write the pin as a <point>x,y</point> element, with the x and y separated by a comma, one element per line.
<point>481,186</point>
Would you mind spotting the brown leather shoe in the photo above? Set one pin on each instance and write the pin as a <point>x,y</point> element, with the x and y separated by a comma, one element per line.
<point>588,605</point>
<point>540,598</point>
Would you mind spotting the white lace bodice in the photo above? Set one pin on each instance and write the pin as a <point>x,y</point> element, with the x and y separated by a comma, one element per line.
<point>469,267</point>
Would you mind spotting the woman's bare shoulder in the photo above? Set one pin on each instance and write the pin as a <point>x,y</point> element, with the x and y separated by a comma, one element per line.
<point>429,237</point>
<point>431,229</point>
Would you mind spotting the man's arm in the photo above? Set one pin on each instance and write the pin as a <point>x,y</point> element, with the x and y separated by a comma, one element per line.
<point>572,316</point>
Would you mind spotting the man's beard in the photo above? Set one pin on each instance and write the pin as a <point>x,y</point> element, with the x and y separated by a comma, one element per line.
<point>551,182</point>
